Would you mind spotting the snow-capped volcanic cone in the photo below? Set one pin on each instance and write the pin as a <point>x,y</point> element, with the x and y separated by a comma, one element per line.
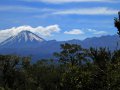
<point>22,39</point>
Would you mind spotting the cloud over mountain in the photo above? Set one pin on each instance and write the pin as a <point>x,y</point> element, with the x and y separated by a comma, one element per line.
<point>40,30</point>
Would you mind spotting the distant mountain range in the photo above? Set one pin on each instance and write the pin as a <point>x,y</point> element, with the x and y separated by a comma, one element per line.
<point>27,43</point>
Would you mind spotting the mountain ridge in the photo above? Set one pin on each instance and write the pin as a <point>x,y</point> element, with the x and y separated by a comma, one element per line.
<point>45,49</point>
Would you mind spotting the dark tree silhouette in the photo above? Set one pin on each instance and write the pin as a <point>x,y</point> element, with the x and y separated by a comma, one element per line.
<point>117,23</point>
<point>71,54</point>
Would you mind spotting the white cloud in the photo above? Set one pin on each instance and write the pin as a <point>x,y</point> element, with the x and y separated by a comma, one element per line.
<point>25,9</point>
<point>68,1</point>
<point>91,30</point>
<point>100,32</point>
<point>43,31</point>
<point>97,32</point>
<point>50,11</point>
<point>74,32</point>
<point>88,11</point>
<point>18,8</point>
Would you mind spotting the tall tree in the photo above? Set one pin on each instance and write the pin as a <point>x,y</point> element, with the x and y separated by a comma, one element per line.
<point>117,23</point>
<point>71,54</point>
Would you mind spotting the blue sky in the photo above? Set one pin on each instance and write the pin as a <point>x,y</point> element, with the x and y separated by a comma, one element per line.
<point>58,19</point>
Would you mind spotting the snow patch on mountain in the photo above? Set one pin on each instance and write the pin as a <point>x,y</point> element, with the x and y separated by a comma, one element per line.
<point>24,37</point>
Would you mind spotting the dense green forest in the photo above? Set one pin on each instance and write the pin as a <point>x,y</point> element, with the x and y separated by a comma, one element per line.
<point>76,68</point>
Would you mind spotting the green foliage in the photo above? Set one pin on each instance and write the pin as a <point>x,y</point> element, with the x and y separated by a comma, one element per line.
<point>71,54</point>
<point>78,69</point>
<point>117,23</point>
<point>11,76</point>
<point>76,78</point>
